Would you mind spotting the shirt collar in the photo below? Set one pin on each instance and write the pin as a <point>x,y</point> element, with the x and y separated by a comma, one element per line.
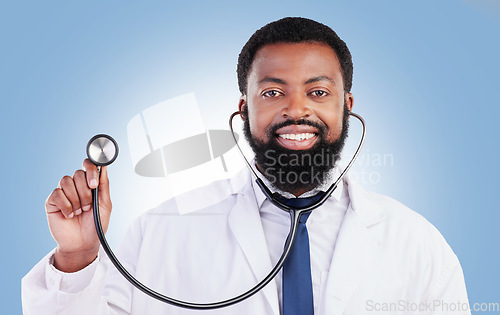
<point>334,174</point>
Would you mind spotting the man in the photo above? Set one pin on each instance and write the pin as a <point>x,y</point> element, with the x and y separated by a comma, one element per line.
<point>358,253</point>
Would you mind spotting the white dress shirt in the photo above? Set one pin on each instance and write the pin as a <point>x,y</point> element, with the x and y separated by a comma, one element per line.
<point>322,225</point>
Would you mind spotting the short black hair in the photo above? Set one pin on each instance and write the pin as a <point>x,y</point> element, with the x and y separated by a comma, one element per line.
<point>293,30</point>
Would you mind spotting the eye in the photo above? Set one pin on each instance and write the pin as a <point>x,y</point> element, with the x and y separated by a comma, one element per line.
<point>318,93</point>
<point>271,93</point>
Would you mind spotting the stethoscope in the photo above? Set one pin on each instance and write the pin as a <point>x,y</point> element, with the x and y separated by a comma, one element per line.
<point>102,150</point>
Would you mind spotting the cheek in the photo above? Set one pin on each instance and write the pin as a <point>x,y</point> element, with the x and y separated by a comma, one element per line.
<point>254,123</point>
<point>334,123</point>
<point>258,125</point>
<point>260,120</point>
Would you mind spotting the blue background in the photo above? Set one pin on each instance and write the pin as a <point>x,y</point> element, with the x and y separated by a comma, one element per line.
<point>425,80</point>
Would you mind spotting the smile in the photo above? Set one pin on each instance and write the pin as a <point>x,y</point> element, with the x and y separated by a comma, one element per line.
<point>301,141</point>
<point>297,137</point>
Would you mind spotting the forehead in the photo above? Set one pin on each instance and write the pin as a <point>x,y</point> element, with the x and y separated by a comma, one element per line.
<point>296,61</point>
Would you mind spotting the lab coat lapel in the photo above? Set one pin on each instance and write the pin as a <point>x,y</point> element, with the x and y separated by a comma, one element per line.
<point>355,249</point>
<point>245,223</point>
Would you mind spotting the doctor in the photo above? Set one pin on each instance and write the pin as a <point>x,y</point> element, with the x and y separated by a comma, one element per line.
<point>366,252</point>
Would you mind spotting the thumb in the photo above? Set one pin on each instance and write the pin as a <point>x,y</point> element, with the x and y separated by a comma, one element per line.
<point>104,196</point>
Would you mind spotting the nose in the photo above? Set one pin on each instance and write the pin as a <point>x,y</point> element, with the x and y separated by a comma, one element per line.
<point>296,107</point>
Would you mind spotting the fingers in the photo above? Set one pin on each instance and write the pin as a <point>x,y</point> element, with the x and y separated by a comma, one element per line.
<point>84,191</point>
<point>58,202</point>
<point>69,189</point>
<point>74,194</point>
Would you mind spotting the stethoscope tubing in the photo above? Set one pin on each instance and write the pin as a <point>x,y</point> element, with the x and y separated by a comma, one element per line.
<point>295,214</point>
<point>190,305</point>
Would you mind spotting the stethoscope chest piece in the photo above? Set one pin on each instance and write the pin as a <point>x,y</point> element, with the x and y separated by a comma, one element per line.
<point>102,150</point>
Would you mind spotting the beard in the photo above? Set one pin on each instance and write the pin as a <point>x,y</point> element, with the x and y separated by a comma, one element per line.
<point>297,171</point>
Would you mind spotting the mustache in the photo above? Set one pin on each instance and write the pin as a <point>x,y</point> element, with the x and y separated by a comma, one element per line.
<point>271,130</point>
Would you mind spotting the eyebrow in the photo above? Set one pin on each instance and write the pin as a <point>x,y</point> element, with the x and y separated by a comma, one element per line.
<point>311,80</point>
<point>320,78</point>
<point>272,80</point>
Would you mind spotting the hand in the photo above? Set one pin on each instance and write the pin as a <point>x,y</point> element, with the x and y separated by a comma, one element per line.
<point>71,220</point>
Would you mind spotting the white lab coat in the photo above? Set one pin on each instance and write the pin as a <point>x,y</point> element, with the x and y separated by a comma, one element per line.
<point>386,258</point>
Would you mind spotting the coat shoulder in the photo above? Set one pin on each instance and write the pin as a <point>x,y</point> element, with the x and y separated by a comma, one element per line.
<point>396,225</point>
<point>405,230</point>
<point>395,213</point>
<point>215,199</point>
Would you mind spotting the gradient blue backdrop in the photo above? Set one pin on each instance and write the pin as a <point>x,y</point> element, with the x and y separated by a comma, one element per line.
<point>425,79</point>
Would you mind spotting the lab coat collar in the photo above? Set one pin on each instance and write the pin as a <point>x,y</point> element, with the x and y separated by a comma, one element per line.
<point>246,225</point>
<point>355,250</point>
<point>362,203</point>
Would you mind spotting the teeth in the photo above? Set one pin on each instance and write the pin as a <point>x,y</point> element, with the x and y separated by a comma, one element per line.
<point>297,136</point>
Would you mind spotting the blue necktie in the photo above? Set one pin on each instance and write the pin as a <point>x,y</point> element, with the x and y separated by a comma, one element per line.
<point>297,282</point>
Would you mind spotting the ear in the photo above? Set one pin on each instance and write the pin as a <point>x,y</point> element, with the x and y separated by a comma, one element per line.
<point>241,105</point>
<point>349,101</point>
